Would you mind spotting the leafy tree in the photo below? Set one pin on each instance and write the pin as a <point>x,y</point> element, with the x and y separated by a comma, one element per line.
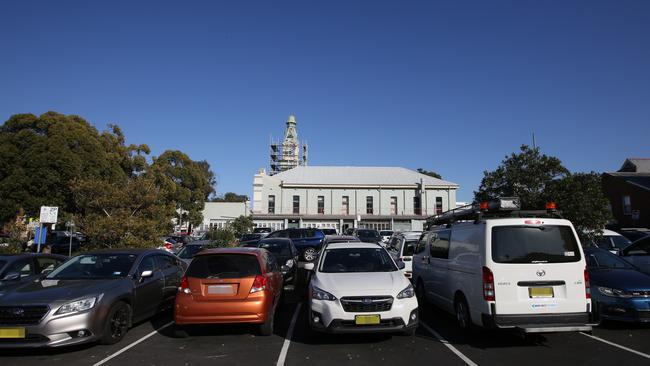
<point>241,225</point>
<point>221,237</point>
<point>525,175</point>
<point>429,173</point>
<point>231,197</point>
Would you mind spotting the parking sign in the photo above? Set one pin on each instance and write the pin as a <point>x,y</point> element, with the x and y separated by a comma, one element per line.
<point>49,214</point>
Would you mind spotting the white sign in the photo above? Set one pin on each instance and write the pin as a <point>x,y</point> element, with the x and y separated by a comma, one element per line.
<point>49,214</point>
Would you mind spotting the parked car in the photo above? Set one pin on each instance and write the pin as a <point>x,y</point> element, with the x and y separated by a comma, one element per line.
<point>329,231</point>
<point>634,233</point>
<point>638,253</point>
<point>229,285</point>
<point>367,235</point>
<point>21,268</point>
<point>330,239</point>
<point>286,255</point>
<point>358,288</point>
<point>190,250</point>
<point>612,241</point>
<point>494,269</point>
<point>307,241</point>
<point>94,296</point>
<point>401,247</point>
<point>262,230</point>
<point>250,239</point>
<point>619,291</point>
<point>385,235</point>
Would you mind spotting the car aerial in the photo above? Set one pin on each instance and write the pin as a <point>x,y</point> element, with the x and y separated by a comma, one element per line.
<point>401,248</point>
<point>619,291</point>
<point>612,241</point>
<point>496,266</point>
<point>367,235</point>
<point>329,231</point>
<point>285,254</point>
<point>638,253</point>
<point>189,251</point>
<point>358,288</point>
<point>20,268</point>
<point>307,241</point>
<point>229,285</point>
<point>94,296</point>
<point>385,235</point>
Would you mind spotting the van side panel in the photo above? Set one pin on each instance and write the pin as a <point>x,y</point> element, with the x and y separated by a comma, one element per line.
<point>465,263</point>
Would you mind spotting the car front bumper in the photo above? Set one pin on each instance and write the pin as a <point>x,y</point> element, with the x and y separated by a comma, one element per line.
<point>626,310</point>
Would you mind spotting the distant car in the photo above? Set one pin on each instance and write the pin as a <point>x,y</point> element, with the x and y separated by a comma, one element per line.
<point>190,250</point>
<point>634,233</point>
<point>330,239</point>
<point>229,285</point>
<point>21,268</point>
<point>307,241</point>
<point>287,257</point>
<point>250,239</point>
<point>401,247</point>
<point>619,291</point>
<point>94,296</point>
<point>60,243</point>
<point>329,231</point>
<point>262,230</point>
<point>368,235</point>
<point>385,235</point>
<point>612,241</point>
<point>638,253</point>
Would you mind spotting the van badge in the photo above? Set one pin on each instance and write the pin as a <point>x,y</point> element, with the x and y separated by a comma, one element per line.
<point>541,273</point>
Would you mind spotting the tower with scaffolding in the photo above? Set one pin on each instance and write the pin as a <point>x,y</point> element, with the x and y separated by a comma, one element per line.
<point>289,153</point>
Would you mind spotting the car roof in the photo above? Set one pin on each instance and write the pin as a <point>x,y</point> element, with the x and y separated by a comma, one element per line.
<point>350,245</point>
<point>235,250</point>
<point>26,255</point>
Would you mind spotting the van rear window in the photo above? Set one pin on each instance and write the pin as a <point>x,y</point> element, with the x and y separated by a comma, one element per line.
<point>224,266</point>
<point>534,244</point>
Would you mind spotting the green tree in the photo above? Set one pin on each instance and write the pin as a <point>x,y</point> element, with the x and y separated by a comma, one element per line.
<point>231,197</point>
<point>429,173</point>
<point>221,237</point>
<point>241,225</point>
<point>525,175</point>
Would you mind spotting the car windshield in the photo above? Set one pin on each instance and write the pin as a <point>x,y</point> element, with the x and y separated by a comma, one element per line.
<point>534,244</point>
<point>640,247</point>
<point>95,266</point>
<point>357,260</point>
<point>224,266</point>
<point>189,251</point>
<point>620,241</point>
<point>278,248</point>
<point>605,259</point>
<point>368,233</point>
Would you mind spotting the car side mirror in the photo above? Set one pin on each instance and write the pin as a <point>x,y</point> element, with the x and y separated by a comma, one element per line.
<point>146,274</point>
<point>11,276</point>
<point>309,266</point>
<point>401,265</point>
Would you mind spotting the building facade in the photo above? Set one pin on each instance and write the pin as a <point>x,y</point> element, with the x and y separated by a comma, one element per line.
<point>628,191</point>
<point>219,214</point>
<point>342,197</point>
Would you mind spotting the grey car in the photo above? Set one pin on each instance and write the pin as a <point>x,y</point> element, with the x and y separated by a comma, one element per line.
<point>94,296</point>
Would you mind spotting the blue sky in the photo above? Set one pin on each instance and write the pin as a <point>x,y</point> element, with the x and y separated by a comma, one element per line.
<point>450,86</point>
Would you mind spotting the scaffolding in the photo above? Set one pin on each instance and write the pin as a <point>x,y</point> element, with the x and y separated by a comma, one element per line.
<point>289,153</point>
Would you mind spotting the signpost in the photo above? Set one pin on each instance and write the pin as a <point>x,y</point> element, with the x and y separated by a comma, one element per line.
<point>48,216</point>
<point>70,226</point>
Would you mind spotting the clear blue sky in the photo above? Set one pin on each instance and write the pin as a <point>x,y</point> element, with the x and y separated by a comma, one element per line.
<point>450,86</point>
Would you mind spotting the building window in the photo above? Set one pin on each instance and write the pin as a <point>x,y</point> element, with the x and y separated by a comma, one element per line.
<point>627,205</point>
<point>271,204</point>
<point>345,205</point>
<point>321,205</point>
<point>369,205</point>
<point>438,205</point>
<point>296,204</point>
<point>393,205</point>
<point>417,207</point>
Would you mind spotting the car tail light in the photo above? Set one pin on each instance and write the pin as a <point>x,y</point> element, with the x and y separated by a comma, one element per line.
<point>259,284</point>
<point>185,286</point>
<point>551,206</point>
<point>488,285</point>
<point>484,206</point>
<point>168,245</point>
<point>587,285</point>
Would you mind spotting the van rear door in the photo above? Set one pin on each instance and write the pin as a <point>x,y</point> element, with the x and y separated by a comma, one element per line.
<point>538,267</point>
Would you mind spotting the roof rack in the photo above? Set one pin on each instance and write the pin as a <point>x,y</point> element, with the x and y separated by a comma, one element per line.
<point>502,208</point>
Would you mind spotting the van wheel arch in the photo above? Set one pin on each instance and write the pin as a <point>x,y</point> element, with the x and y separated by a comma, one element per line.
<point>462,312</point>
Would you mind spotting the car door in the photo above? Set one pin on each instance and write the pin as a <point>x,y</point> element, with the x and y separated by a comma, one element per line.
<point>171,272</point>
<point>148,290</point>
<point>421,260</point>
<point>437,277</point>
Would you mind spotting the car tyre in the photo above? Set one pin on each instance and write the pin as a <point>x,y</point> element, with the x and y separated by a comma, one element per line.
<point>419,292</point>
<point>179,331</point>
<point>266,328</point>
<point>309,254</point>
<point>117,323</point>
<point>463,317</point>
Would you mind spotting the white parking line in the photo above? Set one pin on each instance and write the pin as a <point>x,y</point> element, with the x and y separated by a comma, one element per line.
<point>617,345</point>
<point>446,343</point>
<point>132,345</point>
<point>287,340</point>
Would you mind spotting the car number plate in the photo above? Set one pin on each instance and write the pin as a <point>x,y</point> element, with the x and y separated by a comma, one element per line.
<point>221,289</point>
<point>367,319</point>
<point>12,332</point>
<point>535,292</point>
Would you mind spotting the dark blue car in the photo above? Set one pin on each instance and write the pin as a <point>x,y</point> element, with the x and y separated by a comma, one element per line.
<point>619,291</point>
<point>308,241</point>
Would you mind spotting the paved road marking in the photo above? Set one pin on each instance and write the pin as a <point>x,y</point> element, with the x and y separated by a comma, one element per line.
<point>617,345</point>
<point>287,340</point>
<point>446,343</point>
<point>132,345</point>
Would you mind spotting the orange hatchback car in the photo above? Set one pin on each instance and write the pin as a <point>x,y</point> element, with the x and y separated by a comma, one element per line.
<point>229,285</point>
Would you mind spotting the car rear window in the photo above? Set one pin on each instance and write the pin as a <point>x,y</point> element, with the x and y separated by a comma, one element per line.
<point>224,266</point>
<point>368,233</point>
<point>409,247</point>
<point>534,244</point>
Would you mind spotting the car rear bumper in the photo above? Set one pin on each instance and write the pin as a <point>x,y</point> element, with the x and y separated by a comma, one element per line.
<point>541,323</point>
<point>189,311</point>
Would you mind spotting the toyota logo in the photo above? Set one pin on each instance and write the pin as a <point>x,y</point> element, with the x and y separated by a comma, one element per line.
<point>541,273</point>
<point>366,301</point>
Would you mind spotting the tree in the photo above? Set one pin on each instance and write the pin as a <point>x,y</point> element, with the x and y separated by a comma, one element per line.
<point>429,173</point>
<point>221,237</point>
<point>241,225</point>
<point>231,197</point>
<point>581,199</point>
<point>525,175</point>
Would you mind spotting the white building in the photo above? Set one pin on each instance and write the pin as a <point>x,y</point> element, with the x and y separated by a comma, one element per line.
<point>218,214</point>
<point>342,197</point>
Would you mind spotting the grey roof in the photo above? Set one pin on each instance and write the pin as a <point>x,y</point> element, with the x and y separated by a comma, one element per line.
<point>636,165</point>
<point>357,175</point>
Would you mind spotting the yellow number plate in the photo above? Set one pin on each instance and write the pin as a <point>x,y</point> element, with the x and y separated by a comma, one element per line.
<point>12,332</point>
<point>540,291</point>
<point>367,319</point>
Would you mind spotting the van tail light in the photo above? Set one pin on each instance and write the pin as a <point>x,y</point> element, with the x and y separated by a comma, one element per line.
<point>185,286</point>
<point>488,285</point>
<point>587,285</point>
<point>259,284</point>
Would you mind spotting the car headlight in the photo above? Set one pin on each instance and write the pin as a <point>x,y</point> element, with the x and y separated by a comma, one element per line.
<point>79,305</point>
<point>319,294</point>
<point>614,292</point>
<point>289,263</point>
<point>406,293</point>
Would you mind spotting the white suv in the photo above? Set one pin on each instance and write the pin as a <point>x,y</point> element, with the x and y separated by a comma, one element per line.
<point>358,288</point>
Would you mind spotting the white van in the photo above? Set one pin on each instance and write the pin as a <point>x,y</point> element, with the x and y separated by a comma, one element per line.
<point>505,269</point>
<point>401,247</point>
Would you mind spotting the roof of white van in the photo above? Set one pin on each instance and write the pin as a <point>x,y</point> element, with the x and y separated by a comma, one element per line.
<point>352,245</point>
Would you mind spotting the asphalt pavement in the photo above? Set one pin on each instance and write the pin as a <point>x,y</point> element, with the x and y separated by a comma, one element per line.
<point>437,341</point>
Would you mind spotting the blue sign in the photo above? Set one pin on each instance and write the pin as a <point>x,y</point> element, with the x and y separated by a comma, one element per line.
<point>40,235</point>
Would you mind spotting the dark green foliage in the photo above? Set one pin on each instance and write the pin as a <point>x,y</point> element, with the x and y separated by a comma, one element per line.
<point>231,197</point>
<point>221,237</point>
<point>241,225</point>
<point>429,173</point>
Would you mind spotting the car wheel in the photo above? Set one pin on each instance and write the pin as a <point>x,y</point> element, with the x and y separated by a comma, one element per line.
<point>266,328</point>
<point>309,254</point>
<point>117,323</point>
<point>463,318</point>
